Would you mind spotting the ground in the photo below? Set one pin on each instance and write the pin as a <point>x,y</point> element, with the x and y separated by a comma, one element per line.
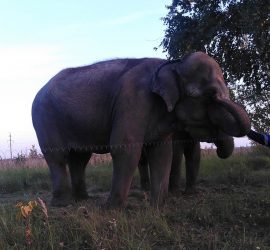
<point>230,211</point>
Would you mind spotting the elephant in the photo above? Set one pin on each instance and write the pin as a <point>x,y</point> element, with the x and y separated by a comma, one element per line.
<point>120,106</point>
<point>183,144</point>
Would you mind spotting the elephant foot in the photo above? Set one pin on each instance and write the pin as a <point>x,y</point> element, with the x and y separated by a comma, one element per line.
<point>157,200</point>
<point>174,189</point>
<point>190,190</point>
<point>157,203</point>
<point>114,202</point>
<point>145,186</point>
<point>61,201</point>
<point>79,196</point>
<point>108,205</point>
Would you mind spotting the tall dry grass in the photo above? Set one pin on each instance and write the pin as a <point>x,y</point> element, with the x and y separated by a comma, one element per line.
<point>40,162</point>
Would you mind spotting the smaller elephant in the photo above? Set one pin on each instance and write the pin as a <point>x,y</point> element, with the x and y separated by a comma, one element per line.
<point>183,144</point>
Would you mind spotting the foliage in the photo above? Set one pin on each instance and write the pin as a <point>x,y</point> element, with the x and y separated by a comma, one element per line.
<point>237,34</point>
<point>33,152</point>
<point>26,213</point>
<point>20,159</point>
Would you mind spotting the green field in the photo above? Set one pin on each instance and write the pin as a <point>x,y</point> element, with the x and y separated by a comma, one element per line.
<point>230,211</point>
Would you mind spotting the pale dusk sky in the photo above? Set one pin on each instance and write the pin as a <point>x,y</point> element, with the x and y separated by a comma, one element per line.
<point>39,38</point>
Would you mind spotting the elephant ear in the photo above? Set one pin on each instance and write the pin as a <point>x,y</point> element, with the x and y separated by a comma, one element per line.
<point>165,84</point>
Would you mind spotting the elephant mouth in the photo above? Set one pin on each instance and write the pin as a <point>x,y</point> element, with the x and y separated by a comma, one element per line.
<point>222,116</point>
<point>223,120</point>
<point>203,133</point>
<point>223,142</point>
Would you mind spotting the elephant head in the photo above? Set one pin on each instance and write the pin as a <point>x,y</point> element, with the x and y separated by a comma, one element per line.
<point>194,88</point>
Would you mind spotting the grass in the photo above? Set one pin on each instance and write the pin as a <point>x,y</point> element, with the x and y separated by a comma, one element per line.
<point>230,211</point>
<point>18,179</point>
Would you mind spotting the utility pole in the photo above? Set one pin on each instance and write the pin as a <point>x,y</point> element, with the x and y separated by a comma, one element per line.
<point>10,145</point>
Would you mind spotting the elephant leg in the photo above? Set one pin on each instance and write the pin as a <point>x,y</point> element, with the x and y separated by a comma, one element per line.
<point>77,162</point>
<point>160,159</point>
<point>144,172</point>
<point>125,162</point>
<point>175,175</point>
<point>60,179</point>
<point>192,152</point>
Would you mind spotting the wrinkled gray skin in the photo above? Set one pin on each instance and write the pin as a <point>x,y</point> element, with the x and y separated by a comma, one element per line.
<point>183,145</point>
<point>117,106</point>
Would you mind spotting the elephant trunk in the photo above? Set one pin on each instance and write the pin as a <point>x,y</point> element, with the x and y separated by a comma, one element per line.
<point>225,145</point>
<point>230,117</point>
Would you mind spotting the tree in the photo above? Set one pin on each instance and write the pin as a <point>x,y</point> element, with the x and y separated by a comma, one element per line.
<point>237,34</point>
<point>33,152</point>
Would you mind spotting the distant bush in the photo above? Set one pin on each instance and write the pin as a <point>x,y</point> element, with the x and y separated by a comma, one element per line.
<point>20,159</point>
<point>33,153</point>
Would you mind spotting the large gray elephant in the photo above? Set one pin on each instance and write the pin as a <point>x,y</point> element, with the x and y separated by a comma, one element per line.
<point>121,105</point>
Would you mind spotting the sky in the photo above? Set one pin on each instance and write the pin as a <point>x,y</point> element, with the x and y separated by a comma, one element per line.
<point>39,38</point>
